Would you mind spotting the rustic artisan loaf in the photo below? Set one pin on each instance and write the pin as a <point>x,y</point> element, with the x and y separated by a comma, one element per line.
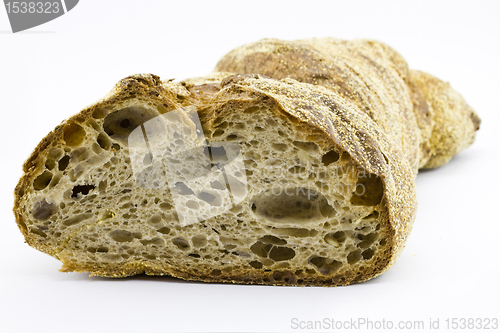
<point>240,177</point>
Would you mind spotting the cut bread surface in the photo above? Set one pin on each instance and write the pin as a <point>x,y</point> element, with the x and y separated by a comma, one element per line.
<point>308,214</point>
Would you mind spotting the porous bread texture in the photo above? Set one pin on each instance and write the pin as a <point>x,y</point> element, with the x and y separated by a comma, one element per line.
<point>431,121</point>
<point>331,146</point>
<point>78,200</point>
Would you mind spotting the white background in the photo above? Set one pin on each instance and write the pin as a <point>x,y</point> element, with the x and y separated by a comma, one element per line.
<point>450,265</point>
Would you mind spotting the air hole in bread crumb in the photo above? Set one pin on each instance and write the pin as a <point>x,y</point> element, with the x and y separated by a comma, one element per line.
<point>125,123</point>
<point>367,240</point>
<point>43,210</point>
<point>73,134</point>
<point>367,254</point>
<point>261,249</point>
<point>199,241</point>
<point>121,235</point>
<point>50,164</point>
<point>256,264</point>
<point>354,256</point>
<point>81,189</point>
<point>154,241</point>
<point>325,265</point>
<point>291,205</point>
<point>218,121</point>
<point>164,230</point>
<point>42,181</point>
<point>306,146</point>
<point>218,132</point>
<point>119,124</point>
<point>331,157</point>
<point>181,243</point>
<point>335,239</point>
<point>38,232</point>
<point>213,199</point>
<point>55,180</point>
<point>369,191</point>
<point>96,148</point>
<point>165,206</point>
<point>272,240</point>
<point>224,124</point>
<point>280,253</point>
<point>279,146</point>
<point>182,189</point>
<point>99,113</point>
<point>259,129</point>
<point>104,141</point>
<point>103,184</point>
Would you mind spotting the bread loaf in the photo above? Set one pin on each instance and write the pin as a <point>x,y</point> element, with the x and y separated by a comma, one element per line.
<point>292,164</point>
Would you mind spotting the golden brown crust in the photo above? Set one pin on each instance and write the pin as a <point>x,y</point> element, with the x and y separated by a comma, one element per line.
<point>423,114</point>
<point>373,76</point>
<point>454,122</point>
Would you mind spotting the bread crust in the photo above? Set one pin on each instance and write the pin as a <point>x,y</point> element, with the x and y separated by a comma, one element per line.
<point>454,122</point>
<point>432,121</point>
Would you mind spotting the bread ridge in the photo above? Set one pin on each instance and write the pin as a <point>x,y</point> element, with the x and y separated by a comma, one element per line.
<point>345,66</point>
